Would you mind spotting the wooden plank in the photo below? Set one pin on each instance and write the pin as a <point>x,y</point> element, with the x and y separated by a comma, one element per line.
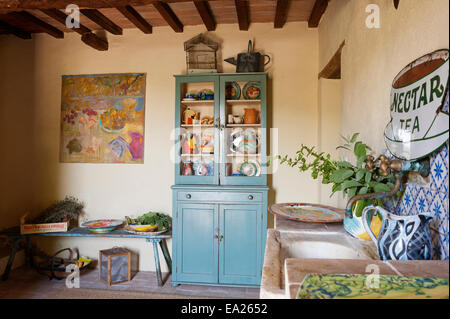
<point>242,14</point>
<point>100,19</point>
<point>61,17</point>
<point>131,14</point>
<point>169,16</point>
<point>18,5</point>
<point>6,27</point>
<point>333,69</point>
<point>281,13</point>
<point>39,24</point>
<point>94,41</point>
<point>316,14</point>
<point>206,14</point>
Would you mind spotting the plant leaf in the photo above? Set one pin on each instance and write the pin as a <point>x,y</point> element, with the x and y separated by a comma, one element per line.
<point>338,176</point>
<point>354,137</point>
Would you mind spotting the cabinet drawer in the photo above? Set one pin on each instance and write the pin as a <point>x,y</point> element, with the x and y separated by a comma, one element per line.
<point>220,196</point>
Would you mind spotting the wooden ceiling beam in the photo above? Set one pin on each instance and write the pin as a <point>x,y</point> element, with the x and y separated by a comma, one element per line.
<point>281,13</point>
<point>94,41</point>
<point>28,18</point>
<point>242,14</point>
<point>206,14</point>
<point>168,15</point>
<point>100,19</point>
<point>87,36</point>
<point>17,5</point>
<point>131,14</point>
<point>316,14</point>
<point>333,68</point>
<point>14,30</point>
<point>61,17</point>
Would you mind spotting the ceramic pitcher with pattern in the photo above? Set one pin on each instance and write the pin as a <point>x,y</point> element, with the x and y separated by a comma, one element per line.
<point>401,237</point>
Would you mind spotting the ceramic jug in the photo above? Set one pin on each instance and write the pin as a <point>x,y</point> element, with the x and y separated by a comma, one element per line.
<point>401,237</point>
<point>250,116</point>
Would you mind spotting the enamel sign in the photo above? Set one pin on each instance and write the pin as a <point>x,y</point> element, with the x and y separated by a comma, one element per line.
<point>419,108</point>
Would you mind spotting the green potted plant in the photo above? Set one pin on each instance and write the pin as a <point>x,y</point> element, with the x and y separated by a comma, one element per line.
<point>349,178</point>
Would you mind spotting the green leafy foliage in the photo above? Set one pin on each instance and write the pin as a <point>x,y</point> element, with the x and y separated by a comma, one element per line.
<point>153,218</point>
<point>351,179</point>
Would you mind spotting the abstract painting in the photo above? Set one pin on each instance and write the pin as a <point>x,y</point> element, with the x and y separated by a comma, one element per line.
<point>103,118</point>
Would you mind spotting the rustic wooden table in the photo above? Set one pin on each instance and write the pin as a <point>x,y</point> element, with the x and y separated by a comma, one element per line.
<point>14,233</point>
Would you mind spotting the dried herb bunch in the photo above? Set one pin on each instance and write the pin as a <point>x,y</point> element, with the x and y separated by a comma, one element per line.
<point>64,210</point>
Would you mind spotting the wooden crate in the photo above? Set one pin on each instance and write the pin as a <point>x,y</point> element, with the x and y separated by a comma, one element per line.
<point>108,259</point>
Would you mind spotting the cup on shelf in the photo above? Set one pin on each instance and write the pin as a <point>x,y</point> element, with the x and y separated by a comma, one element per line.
<point>230,119</point>
<point>237,119</point>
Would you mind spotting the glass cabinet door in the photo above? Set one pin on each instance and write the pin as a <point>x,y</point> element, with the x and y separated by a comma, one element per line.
<point>243,129</point>
<point>197,130</point>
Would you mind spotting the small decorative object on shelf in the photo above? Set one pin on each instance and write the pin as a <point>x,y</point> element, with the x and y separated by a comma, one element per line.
<point>189,116</point>
<point>248,61</point>
<point>250,116</point>
<point>252,91</point>
<point>114,265</point>
<point>206,94</point>
<point>201,55</point>
<point>232,91</point>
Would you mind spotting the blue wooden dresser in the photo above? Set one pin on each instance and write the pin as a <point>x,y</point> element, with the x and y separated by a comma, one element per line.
<point>220,191</point>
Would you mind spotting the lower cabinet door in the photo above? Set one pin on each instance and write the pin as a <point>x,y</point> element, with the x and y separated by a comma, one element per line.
<point>197,243</point>
<point>239,248</point>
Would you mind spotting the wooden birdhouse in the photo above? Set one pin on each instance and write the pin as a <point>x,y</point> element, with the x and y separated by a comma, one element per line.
<point>201,55</point>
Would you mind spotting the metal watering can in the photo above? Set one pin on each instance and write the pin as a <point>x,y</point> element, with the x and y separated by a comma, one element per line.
<point>401,237</point>
<point>249,61</point>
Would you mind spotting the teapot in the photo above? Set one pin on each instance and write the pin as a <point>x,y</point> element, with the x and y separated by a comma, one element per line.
<point>401,237</point>
<point>248,61</point>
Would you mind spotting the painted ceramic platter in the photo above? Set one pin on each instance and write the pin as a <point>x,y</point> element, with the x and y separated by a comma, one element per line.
<point>250,168</point>
<point>252,90</point>
<point>244,141</point>
<point>130,230</point>
<point>309,213</point>
<point>102,226</point>
<point>232,91</point>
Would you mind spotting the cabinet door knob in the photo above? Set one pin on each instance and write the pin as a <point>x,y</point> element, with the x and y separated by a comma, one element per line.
<point>250,197</point>
<point>216,236</point>
<point>188,196</point>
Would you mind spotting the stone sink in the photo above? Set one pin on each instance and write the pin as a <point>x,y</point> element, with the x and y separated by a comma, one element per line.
<point>297,240</point>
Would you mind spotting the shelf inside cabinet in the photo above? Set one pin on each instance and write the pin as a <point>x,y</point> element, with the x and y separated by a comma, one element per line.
<point>243,125</point>
<point>196,125</point>
<point>243,101</point>
<point>198,103</point>
<point>243,155</point>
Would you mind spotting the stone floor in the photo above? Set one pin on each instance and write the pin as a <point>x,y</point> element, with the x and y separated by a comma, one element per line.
<point>27,283</point>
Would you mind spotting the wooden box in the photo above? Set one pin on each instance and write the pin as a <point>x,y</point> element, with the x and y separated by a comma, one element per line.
<point>43,228</point>
<point>114,265</point>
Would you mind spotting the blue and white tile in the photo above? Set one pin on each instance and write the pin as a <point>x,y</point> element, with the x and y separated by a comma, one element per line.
<point>439,170</point>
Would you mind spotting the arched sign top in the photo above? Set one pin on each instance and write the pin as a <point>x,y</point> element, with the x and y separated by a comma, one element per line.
<point>419,107</point>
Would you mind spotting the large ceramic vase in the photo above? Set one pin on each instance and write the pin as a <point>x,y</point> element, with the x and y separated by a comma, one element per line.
<point>401,237</point>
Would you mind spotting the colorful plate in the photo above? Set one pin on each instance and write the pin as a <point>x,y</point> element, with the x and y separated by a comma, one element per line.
<point>252,90</point>
<point>102,226</point>
<point>130,230</point>
<point>232,91</point>
<point>309,213</point>
<point>250,168</point>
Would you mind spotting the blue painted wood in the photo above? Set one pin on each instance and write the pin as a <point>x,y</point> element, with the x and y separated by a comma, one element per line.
<point>197,249</point>
<point>239,241</point>
<point>231,268</point>
<point>233,206</point>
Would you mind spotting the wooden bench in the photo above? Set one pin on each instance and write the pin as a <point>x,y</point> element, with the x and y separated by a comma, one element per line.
<point>14,233</point>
